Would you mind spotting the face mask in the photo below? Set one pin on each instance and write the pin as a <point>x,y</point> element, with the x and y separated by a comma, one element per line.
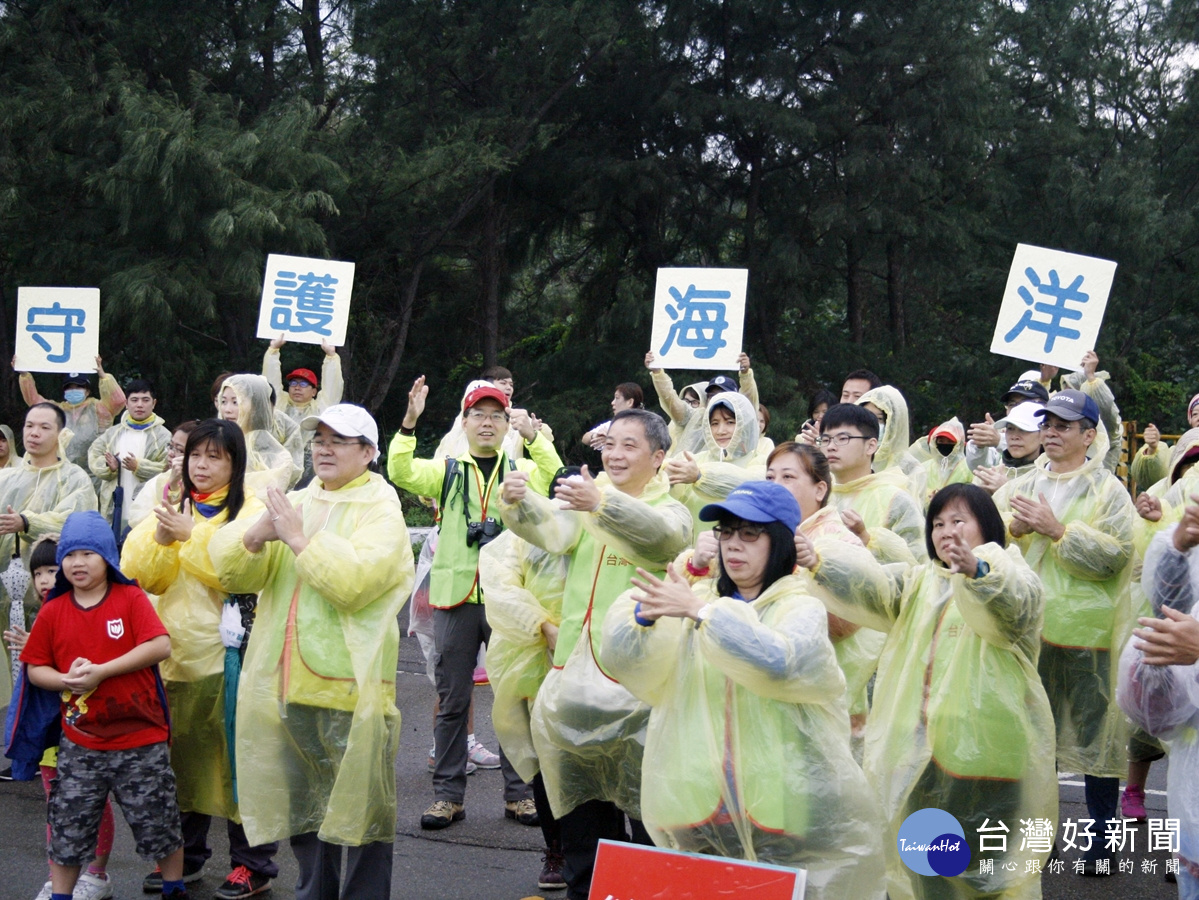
<point>74,395</point>
<point>882,430</point>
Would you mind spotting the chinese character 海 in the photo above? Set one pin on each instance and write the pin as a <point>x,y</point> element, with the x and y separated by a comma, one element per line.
<point>997,834</point>
<point>1163,835</point>
<point>303,303</point>
<point>1056,311</point>
<point>1071,831</point>
<point>699,321</point>
<point>1119,832</point>
<point>70,323</point>
<point>1037,835</point>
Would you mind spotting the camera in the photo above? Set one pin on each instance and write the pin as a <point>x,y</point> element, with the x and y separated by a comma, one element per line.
<point>482,533</point>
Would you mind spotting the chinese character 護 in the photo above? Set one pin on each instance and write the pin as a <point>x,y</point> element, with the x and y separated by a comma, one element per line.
<point>1163,835</point>
<point>71,323</point>
<point>699,321</point>
<point>1119,832</point>
<point>996,833</point>
<point>312,296</point>
<point>1070,832</point>
<point>1037,835</point>
<point>1056,311</point>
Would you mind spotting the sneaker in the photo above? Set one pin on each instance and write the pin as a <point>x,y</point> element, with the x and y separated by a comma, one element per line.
<point>6,775</point>
<point>242,883</point>
<point>442,814</point>
<point>480,675</point>
<point>152,883</point>
<point>92,887</point>
<point>523,811</point>
<point>180,895</point>
<point>482,757</point>
<point>551,878</point>
<point>471,768</point>
<point>46,892</point>
<point>1132,804</point>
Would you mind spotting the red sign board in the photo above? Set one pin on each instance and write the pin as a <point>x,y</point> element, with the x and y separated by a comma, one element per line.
<point>635,872</point>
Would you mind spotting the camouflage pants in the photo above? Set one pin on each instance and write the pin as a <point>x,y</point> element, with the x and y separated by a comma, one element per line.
<point>143,785</point>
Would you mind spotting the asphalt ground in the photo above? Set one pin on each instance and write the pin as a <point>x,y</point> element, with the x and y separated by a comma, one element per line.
<point>485,857</point>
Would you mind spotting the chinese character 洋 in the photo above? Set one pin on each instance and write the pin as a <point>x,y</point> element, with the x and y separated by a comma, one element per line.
<point>303,303</point>
<point>1056,311</point>
<point>70,323</point>
<point>699,321</point>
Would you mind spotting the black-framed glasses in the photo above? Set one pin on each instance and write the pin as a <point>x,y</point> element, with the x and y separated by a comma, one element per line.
<point>749,531</point>
<point>840,440</point>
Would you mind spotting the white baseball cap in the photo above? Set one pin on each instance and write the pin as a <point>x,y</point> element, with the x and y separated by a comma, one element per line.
<point>347,420</point>
<point>1023,416</point>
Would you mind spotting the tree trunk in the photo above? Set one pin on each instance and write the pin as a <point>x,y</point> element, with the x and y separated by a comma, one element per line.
<point>380,383</point>
<point>314,48</point>
<point>490,266</point>
<point>895,298</point>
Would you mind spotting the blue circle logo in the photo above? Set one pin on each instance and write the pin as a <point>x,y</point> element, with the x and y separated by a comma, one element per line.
<point>932,842</point>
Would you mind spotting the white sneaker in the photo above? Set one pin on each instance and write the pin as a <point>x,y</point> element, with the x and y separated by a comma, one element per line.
<point>482,757</point>
<point>92,887</point>
<point>46,892</point>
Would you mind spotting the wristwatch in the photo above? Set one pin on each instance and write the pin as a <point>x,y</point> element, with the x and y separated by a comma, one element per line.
<point>701,615</point>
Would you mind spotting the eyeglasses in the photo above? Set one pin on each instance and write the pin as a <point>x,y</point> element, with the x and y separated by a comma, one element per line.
<point>749,532</point>
<point>840,440</point>
<point>495,418</point>
<point>298,382</point>
<point>335,443</point>
<point>1057,428</point>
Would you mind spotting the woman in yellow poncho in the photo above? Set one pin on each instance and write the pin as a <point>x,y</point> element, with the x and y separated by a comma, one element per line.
<point>168,555</point>
<point>246,400</point>
<point>960,720</point>
<point>747,751</point>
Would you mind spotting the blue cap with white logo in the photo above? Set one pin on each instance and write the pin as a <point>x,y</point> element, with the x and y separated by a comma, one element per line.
<point>1071,406</point>
<point>757,501</point>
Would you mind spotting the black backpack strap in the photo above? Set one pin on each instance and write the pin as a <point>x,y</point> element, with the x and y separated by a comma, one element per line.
<point>452,469</point>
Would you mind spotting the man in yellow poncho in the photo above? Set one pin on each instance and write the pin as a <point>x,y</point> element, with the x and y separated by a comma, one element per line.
<point>1074,523</point>
<point>317,725</point>
<point>131,452</point>
<point>946,462</point>
<point>302,394</point>
<point>588,731</point>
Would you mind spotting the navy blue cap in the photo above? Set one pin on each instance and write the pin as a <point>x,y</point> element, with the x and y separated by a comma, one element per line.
<point>721,383</point>
<point>1071,406</point>
<point>79,378</point>
<point>757,501</point>
<point>1033,390</point>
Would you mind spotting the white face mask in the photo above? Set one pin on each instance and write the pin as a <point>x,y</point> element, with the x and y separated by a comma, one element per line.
<point>882,430</point>
<point>73,395</point>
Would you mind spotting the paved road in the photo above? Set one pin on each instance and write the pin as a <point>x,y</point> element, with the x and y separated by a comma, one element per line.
<point>487,857</point>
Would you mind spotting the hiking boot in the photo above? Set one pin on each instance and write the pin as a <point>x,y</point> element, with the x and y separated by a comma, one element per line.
<point>1132,804</point>
<point>242,883</point>
<point>442,814</point>
<point>523,811</point>
<point>551,878</point>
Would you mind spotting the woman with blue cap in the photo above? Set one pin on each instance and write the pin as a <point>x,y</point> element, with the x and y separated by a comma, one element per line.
<point>747,752</point>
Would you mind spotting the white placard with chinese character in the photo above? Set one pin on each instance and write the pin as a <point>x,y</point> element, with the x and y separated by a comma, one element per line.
<point>58,329</point>
<point>306,300</point>
<point>699,316</point>
<point>1052,306</point>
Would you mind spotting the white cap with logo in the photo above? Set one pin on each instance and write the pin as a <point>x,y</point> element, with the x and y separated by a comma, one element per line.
<point>1023,416</point>
<point>347,420</point>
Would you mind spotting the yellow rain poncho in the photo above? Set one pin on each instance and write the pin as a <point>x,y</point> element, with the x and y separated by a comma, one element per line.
<point>156,491</point>
<point>268,462</point>
<point>588,730</point>
<point>684,422</point>
<point>723,469</point>
<point>1148,470</point>
<point>747,751</point>
<point>522,590</point>
<point>150,461</point>
<point>331,386</point>
<point>86,419</point>
<point>14,458</point>
<point>317,725</point>
<point>1185,485</point>
<point>1088,606</point>
<point>892,450</point>
<point>941,470</point>
<point>960,720</point>
<point>45,497</point>
<point>883,502</point>
<point>189,597</point>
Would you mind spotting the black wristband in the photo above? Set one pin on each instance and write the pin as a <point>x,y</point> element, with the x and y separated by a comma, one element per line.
<point>25,521</point>
<point>407,432</point>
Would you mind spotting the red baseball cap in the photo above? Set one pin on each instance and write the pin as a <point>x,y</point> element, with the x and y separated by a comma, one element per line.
<point>307,374</point>
<point>484,393</point>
